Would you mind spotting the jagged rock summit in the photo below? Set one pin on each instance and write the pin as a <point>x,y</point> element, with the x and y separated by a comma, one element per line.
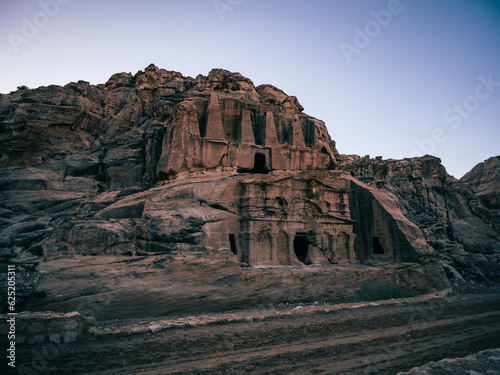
<point>186,194</point>
<point>484,182</point>
<point>218,121</point>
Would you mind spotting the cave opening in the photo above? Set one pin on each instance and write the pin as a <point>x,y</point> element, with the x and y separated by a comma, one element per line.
<point>259,165</point>
<point>232,244</point>
<point>300,247</point>
<point>378,249</point>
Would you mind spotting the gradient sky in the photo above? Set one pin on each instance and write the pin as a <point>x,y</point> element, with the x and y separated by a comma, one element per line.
<point>389,78</point>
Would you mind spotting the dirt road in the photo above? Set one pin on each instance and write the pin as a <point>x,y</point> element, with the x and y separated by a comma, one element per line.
<point>366,340</point>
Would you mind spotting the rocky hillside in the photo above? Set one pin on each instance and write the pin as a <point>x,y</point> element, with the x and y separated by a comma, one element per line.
<point>115,132</point>
<point>70,152</point>
<point>456,217</point>
<point>484,181</point>
<point>185,193</point>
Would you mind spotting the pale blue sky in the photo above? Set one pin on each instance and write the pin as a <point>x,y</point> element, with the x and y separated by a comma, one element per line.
<point>414,83</point>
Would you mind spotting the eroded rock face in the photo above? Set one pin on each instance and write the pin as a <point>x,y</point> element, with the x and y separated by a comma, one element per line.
<point>50,120</point>
<point>173,123</point>
<point>453,220</point>
<point>156,182</point>
<point>484,181</point>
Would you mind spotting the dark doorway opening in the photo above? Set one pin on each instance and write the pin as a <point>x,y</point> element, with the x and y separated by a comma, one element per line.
<point>300,247</point>
<point>259,165</point>
<point>377,247</point>
<point>232,243</point>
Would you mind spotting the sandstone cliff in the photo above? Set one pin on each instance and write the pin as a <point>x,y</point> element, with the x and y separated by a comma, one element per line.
<point>484,181</point>
<point>456,221</point>
<point>119,127</point>
<point>182,193</point>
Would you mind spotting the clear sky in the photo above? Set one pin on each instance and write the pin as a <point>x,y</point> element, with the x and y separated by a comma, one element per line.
<point>390,78</point>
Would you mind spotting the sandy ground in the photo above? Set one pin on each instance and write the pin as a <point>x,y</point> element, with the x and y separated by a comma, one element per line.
<point>367,338</point>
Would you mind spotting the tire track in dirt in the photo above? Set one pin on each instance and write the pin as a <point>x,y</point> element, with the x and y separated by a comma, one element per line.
<point>354,361</point>
<point>376,338</point>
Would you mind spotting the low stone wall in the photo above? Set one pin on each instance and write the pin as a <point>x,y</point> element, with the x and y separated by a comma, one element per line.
<point>43,327</point>
<point>27,279</point>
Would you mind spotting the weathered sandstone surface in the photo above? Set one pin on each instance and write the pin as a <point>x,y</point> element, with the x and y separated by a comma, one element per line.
<point>484,181</point>
<point>156,193</point>
<point>454,220</point>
